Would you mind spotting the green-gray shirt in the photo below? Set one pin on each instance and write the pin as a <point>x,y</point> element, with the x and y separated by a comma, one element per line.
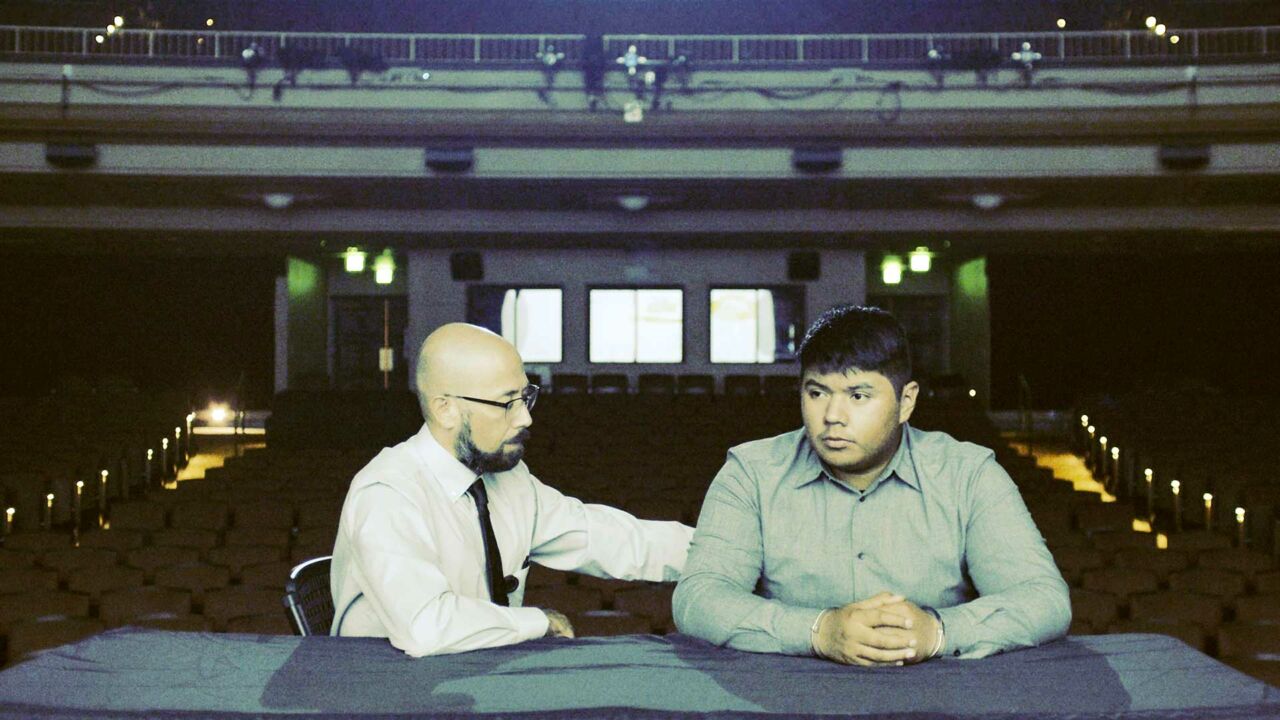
<point>779,539</point>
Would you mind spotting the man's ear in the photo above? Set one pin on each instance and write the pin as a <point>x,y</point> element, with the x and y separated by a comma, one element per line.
<point>444,412</point>
<point>907,402</point>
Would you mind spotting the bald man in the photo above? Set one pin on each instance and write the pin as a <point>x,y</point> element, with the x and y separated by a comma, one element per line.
<point>437,533</point>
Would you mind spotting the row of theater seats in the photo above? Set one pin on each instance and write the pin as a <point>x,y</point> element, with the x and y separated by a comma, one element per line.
<point>270,508</point>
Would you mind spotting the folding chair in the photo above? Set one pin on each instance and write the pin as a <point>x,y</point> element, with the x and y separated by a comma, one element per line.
<point>307,597</point>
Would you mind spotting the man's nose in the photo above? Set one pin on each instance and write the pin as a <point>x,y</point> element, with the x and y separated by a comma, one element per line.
<point>837,412</point>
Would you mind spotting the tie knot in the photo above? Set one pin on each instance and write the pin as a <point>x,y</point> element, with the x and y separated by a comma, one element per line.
<point>477,492</point>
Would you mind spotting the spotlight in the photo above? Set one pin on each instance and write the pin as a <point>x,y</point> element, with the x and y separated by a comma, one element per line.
<point>987,201</point>
<point>1160,29</point>
<point>937,63</point>
<point>278,201</point>
<point>1027,58</point>
<point>118,21</point>
<point>1151,22</point>
<point>357,63</point>
<point>631,60</point>
<point>1062,23</point>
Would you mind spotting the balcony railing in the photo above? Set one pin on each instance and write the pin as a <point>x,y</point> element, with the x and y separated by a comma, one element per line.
<point>728,51</point>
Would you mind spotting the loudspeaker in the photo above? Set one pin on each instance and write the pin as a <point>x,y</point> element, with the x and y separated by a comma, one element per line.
<point>817,158</point>
<point>1184,157</point>
<point>803,266</point>
<point>71,156</point>
<point>451,160</point>
<point>466,266</point>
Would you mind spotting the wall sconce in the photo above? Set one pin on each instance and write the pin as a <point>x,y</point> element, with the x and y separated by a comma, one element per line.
<point>384,268</point>
<point>891,270</point>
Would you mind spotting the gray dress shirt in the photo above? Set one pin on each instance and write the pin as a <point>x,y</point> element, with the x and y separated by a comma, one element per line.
<point>779,539</point>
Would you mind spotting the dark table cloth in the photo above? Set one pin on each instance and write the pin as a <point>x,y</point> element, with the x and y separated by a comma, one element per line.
<point>145,673</point>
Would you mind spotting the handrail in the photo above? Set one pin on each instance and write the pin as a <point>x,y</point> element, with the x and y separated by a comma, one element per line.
<point>1111,46</point>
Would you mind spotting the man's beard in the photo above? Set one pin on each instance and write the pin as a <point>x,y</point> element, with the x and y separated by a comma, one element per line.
<point>482,462</point>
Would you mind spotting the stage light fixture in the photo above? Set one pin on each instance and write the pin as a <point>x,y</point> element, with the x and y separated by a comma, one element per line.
<point>384,268</point>
<point>920,260</point>
<point>353,260</point>
<point>1027,59</point>
<point>631,60</point>
<point>550,59</point>
<point>891,270</point>
<point>251,59</point>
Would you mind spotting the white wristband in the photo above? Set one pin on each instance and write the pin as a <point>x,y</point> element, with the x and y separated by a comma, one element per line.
<point>813,630</point>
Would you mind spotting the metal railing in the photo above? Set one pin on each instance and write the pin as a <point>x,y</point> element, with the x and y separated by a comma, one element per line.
<point>1198,45</point>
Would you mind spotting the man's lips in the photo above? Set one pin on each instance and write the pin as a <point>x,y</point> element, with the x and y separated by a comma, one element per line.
<point>835,442</point>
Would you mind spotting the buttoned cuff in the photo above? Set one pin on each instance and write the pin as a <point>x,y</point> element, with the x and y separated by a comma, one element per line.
<point>793,628</point>
<point>531,622</point>
<point>959,629</point>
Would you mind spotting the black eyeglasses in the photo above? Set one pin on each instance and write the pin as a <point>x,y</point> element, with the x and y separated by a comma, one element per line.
<point>528,396</point>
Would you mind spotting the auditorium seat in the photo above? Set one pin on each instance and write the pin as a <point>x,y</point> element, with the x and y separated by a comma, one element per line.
<point>568,384</point>
<point>659,384</point>
<point>1267,583</point>
<point>96,580</point>
<point>1252,640</point>
<point>35,604</point>
<point>254,535</point>
<point>1091,517</point>
<point>323,513</point>
<point>29,637</point>
<point>652,601</point>
<point>151,558</point>
<point>200,515</point>
<point>1198,541</point>
<point>264,512</point>
<point>235,558</point>
<point>1248,563</point>
<point>196,578</point>
<point>23,579</point>
<point>603,623</point>
<point>1175,606</point>
<point>1208,581</point>
<point>176,622</point>
<point>1122,582</point>
<point>1258,609</point>
<point>199,540</point>
<point>13,560</point>
<point>1189,632</point>
<point>119,607</point>
<point>68,561</point>
<point>323,536</point>
<point>139,515</point>
<point>699,384</point>
<point>747,386</point>
<point>38,542</point>
<point>1074,562</point>
<point>225,603</point>
<point>271,623</point>
<point>1160,562</point>
<point>115,539</point>
<point>1112,541</point>
<point>266,575</point>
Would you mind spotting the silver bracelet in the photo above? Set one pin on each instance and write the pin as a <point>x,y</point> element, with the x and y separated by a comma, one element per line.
<point>941,639</point>
<point>813,630</point>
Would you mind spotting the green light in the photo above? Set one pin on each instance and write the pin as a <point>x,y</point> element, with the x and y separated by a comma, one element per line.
<point>354,260</point>
<point>891,270</point>
<point>384,268</point>
<point>921,260</point>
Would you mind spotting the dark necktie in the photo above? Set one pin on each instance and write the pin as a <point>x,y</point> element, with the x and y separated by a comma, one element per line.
<point>492,558</point>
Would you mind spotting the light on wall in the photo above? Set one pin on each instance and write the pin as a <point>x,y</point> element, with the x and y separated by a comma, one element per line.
<point>920,260</point>
<point>891,270</point>
<point>384,268</point>
<point>353,260</point>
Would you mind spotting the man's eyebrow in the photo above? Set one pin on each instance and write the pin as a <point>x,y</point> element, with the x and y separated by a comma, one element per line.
<point>815,384</point>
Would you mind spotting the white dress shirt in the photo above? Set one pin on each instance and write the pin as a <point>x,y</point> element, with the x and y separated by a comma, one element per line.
<point>409,564</point>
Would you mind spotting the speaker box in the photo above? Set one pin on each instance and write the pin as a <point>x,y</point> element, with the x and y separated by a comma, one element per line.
<point>803,266</point>
<point>450,160</point>
<point>71,156</point>
<point>1184,157</point>
<point>817,158</point>
<point>466,266</point>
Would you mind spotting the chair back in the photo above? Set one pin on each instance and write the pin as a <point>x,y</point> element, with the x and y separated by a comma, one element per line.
<point>307,598</point>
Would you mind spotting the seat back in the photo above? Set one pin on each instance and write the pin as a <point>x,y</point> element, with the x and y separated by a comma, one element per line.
<point>307,598</point>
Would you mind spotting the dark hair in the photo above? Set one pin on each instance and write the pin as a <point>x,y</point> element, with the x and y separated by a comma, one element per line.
<point>853,337</point>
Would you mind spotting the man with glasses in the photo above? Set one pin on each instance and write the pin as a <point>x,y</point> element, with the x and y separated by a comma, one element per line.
<point>437,533</point>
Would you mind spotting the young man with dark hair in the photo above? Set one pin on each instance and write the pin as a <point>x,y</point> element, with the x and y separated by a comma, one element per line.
<point>861,539</point>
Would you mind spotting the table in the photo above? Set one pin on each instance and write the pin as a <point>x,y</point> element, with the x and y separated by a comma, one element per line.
<point>147,673</point>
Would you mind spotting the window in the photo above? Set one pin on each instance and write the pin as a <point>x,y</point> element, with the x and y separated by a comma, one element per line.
<point>756,325</point>
<point>529,318</point>
<point>634,325</point>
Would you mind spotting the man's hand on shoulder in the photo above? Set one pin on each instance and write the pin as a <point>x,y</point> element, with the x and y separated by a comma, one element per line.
<point>557,624</point>
<point>874,632</point>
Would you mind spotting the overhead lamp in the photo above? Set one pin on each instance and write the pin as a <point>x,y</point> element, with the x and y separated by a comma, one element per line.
<point>118,21</point>
<point>1160,29</point>
<point>1062,23</point>
<point>111,29</point>
<point>353,260</point>
<point>384,268</point>
<point>208,22</point>
<point>891,270</point>
<point>1151,22</point>
<point>920,260</point>
<point>1173,39</point>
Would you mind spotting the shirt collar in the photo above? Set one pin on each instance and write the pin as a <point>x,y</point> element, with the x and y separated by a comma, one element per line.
<point>901,466</point>
<point>453,476</point>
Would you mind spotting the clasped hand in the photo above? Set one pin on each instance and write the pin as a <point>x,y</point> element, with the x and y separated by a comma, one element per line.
<point>885,630</point>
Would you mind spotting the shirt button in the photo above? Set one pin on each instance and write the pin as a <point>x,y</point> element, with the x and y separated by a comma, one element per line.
<point>862,499</point>
<point>862,556</point>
